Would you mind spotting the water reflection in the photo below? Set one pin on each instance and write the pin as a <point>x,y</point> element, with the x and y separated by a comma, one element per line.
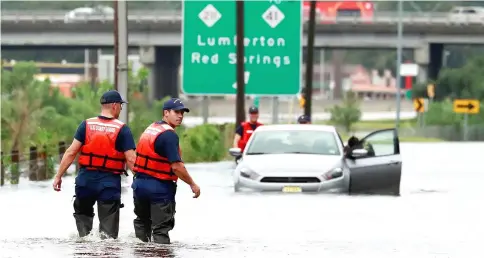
<point>148,250</point>
<point>81,249</point>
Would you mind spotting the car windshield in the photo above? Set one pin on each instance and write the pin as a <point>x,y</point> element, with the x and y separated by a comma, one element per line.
<point>295,141</point>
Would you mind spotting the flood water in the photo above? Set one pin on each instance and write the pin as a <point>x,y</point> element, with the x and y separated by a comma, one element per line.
<point>439,214</point>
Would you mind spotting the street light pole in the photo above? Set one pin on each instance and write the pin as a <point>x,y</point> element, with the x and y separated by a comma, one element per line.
<point>122,54</point>
<point>399,61</point>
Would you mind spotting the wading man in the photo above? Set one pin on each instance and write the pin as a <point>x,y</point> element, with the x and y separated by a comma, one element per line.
<point>106,145</point>
<point>158,166</point>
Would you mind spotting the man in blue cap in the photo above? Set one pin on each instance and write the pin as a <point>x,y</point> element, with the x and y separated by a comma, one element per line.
<point>158,166</point>
<point>304,119</point>
<point>106,146</point>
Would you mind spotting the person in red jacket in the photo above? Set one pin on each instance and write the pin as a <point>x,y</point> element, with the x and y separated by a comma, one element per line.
<point>244,131</point>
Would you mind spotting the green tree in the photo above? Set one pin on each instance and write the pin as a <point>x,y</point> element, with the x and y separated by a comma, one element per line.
<point>348,113</point>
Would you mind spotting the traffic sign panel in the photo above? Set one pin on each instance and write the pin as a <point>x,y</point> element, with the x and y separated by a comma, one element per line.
<point>419,105</point>
<point>467,106</point>
<point>272,40</point>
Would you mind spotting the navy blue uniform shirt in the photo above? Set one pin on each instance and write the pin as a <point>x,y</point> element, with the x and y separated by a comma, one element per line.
<point>167,145</point>
<point>240,130</point>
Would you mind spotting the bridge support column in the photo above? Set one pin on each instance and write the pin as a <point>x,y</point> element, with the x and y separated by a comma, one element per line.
<point>167,62</point>
<point>429,58</point>
<point>436,58</point>
<point>147,58</point>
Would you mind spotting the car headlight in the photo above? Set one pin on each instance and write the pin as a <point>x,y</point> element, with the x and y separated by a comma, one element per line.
<point>248,173</point>
<point>333,173</point>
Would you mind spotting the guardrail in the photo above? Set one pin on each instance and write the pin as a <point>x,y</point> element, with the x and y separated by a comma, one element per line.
<point>64,12</point>
<point>173,16</point>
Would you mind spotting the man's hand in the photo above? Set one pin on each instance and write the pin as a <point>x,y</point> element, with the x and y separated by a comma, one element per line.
<point>58,182</point>
<point>195,190</point>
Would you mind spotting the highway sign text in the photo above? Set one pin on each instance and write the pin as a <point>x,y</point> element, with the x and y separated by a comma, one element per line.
<point>272,41</point>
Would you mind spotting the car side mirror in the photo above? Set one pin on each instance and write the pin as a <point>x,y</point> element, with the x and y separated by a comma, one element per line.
<point>358,153</point>
<point>235,152</point>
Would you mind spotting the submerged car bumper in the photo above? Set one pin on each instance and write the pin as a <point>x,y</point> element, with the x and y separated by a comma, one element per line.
<point>293,184</point>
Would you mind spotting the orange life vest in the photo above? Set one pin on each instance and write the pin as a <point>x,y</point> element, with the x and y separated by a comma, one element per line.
<point>99,149</point>
<point>147,160</point>
<point>247,133</point>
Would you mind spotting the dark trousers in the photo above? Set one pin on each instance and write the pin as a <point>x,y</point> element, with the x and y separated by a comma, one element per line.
<point>155,208</point>
<point>105,189</point>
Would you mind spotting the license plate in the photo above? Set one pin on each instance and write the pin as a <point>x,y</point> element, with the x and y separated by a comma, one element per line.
<point>291,189</point>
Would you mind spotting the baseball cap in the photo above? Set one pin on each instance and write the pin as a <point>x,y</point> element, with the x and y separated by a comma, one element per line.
<point>303,119</point>
<point>175,104</point>
<point>112,96</point>
<point>253,110</point>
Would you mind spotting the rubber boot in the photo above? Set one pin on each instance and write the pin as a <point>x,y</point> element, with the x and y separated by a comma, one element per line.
<point>108,212</point>
<point>84,216</point>
<point>142,223</point>
<point>84,224</point>
<point>163,221</point>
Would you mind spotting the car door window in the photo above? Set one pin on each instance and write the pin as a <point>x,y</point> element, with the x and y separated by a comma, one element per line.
<point>380,143</point>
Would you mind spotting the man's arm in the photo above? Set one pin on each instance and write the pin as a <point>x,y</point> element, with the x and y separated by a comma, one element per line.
<point>166,144</point>
<point>69,157</point>
<point>71,152</point>
<point>238,135</point>
<point>125,143</point>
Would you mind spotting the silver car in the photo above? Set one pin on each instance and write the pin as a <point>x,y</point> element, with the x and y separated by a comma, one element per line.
<point>300,158</point>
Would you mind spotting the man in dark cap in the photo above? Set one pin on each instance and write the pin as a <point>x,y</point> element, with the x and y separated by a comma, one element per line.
<point>158,166</point>
<point>303,119</point>
<point>244,131</point>
<point>106,146</point>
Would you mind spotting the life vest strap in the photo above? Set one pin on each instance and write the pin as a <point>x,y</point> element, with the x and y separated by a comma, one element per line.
<point>103,166</point>
<point>151,158</point>
<point>91,155</point>
<point>148,158</point>
<point>153,170</point>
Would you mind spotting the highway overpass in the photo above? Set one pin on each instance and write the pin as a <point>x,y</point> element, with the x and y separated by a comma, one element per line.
<point>425,33</point>
<point>163,28</point>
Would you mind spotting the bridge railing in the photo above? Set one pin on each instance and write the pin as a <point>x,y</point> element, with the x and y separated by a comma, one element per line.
<point>156,16</point>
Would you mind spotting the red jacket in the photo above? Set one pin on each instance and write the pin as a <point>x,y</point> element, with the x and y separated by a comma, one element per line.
<point>99,149</point>
<point>147,160</point>
<point>247,133</point>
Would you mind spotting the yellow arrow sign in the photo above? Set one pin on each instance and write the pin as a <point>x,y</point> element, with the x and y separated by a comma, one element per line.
<point>419,105</point>
<point>467,106</point>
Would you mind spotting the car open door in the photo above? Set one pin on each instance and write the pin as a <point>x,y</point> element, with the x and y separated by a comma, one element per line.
<point>379,171</point>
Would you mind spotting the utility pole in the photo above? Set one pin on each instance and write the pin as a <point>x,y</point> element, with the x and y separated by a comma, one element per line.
<point>121,13</point>
<point>309,59</point>
<point>240,97</point>
<point>116,44</point>
<point>399,61</point>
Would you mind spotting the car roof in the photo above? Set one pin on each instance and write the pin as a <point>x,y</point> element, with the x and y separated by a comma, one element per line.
<point>296,127</point>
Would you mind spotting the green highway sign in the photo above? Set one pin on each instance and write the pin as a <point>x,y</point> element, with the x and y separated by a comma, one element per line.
<point>272,40</point>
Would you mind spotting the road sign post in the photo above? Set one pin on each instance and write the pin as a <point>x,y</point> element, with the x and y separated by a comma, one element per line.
<point>421,106</point>
<point>466,107</point>
<point>273,47</point>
